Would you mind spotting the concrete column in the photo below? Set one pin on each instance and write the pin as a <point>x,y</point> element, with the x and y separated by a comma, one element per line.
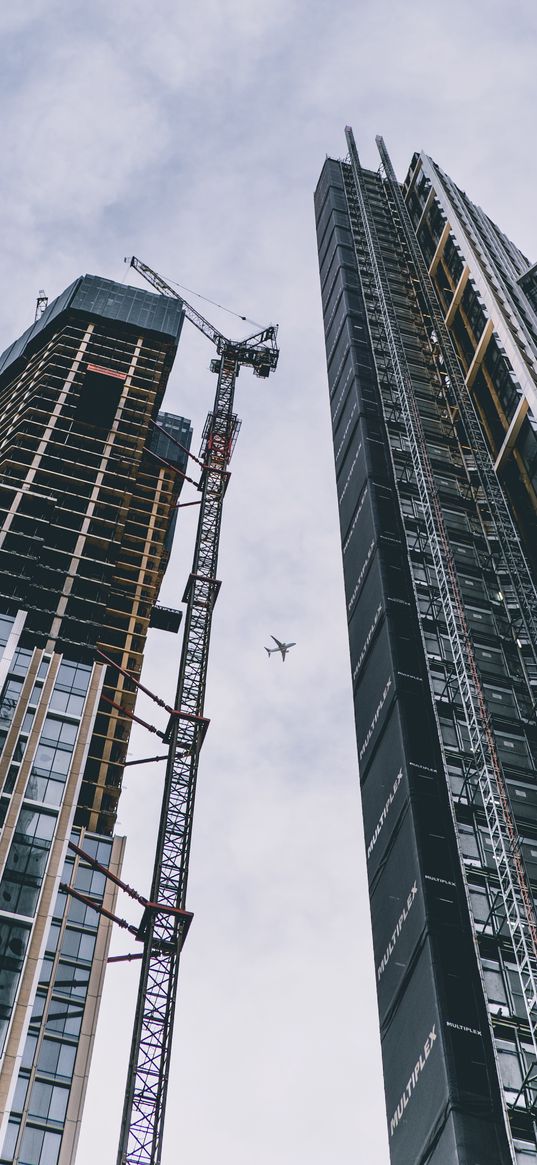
<point>479,353</point>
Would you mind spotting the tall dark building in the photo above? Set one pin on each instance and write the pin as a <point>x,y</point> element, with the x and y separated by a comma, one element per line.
<point>431,342</point>
<point>88,494</point>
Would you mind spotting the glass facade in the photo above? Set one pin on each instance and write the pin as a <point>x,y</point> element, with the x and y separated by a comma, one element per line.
<point>48,1060</point>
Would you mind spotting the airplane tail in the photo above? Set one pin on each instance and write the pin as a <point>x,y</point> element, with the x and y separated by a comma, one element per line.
<point>268,651</point>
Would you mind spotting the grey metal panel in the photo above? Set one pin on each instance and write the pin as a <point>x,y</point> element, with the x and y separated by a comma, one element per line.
<point>168,447</point>
<point>469,1138</point>
<point>130,305</point>
<point>106,299</point>
<point>385,792</point>
<point>415,1077</point>
<point>367,618</point>
<point>374,694</point>
<point>398,915</point>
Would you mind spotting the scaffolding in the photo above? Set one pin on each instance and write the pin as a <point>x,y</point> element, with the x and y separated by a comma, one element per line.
<point>393,370</point>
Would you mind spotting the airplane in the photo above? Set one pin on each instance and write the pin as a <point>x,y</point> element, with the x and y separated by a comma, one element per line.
<point>283,647</point>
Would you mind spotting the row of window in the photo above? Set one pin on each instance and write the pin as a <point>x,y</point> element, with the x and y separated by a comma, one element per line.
<point>476,848</point>
<point>52,759</point>
<point>38,1146</point>
<point>27,858</point>
<point>61,995</point>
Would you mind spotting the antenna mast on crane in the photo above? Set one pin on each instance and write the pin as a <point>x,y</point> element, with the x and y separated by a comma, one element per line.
<point>164,925</point>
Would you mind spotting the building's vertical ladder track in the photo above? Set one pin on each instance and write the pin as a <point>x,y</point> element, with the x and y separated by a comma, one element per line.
<point>508,860</point>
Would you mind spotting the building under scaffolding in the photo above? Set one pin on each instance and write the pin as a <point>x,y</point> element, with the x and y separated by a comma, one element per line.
<point>89,482</point>
<point>431,341</point>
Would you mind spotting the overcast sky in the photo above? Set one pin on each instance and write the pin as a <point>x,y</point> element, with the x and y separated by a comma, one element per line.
<point>193,136</point>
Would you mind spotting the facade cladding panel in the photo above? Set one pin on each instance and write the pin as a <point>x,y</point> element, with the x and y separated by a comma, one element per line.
<point>385,793</point>
<point>456,1040</point>
<point>88,493</point>
<point>101,299</point>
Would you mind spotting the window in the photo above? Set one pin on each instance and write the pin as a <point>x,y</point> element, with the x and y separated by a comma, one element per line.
<point>64,1017</point>
<point>10,781</point>
<point>494,986</point>
<point>39,1147</point>
<point>90,881</point>
<point>6,623</point>
<point>100,850</point>
<point>529,851</point>
<point>48,1101</point>
<point>13,943</point>
<point>513,750</point>
<point>45,973</point>
<point>38,1007</point>
<point>56,1059</point>
<point>36,693</point>
<point>77,945</point>
<point>517,995</point>
<point>70,688</point>
<point>56,731</point>
<point>510,1067</point>
<point>19,1097</point>
<point>51,761</point>
<point>480,904</point>
<point>72,980</point>
<point>501,701</point>
<point>83,915</point>
<point>62,701</point>
<point>29,1050</point>
<point>21,661</point>
<point>468,842</point>
<point>60,904</point>
<point>449,733</point>
<point>9,700</point>
<point>489,659</point>
<point>28,721</point>
<point>8,1148</point>
<point>26,862</point>
<point>53,936</point>
<point>525,1154</point>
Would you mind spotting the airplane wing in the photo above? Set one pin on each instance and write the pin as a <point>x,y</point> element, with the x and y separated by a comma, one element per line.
<point>277,642</point>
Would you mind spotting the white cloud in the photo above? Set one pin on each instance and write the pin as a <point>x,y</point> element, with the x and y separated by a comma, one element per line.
<point>77,136</point>
<point>194,136</point>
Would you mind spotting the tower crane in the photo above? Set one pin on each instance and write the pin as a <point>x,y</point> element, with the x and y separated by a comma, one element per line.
<point>166,919</point>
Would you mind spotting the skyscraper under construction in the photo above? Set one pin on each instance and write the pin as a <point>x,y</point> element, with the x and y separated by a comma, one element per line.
<point>90,475</point>
<point>431,340</point>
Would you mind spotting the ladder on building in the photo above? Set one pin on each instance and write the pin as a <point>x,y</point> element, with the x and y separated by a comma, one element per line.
<point>506,848</point>
<point>145,1098</point>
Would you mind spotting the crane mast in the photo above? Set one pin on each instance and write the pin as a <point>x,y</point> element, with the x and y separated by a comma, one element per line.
<point>164,925</point>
